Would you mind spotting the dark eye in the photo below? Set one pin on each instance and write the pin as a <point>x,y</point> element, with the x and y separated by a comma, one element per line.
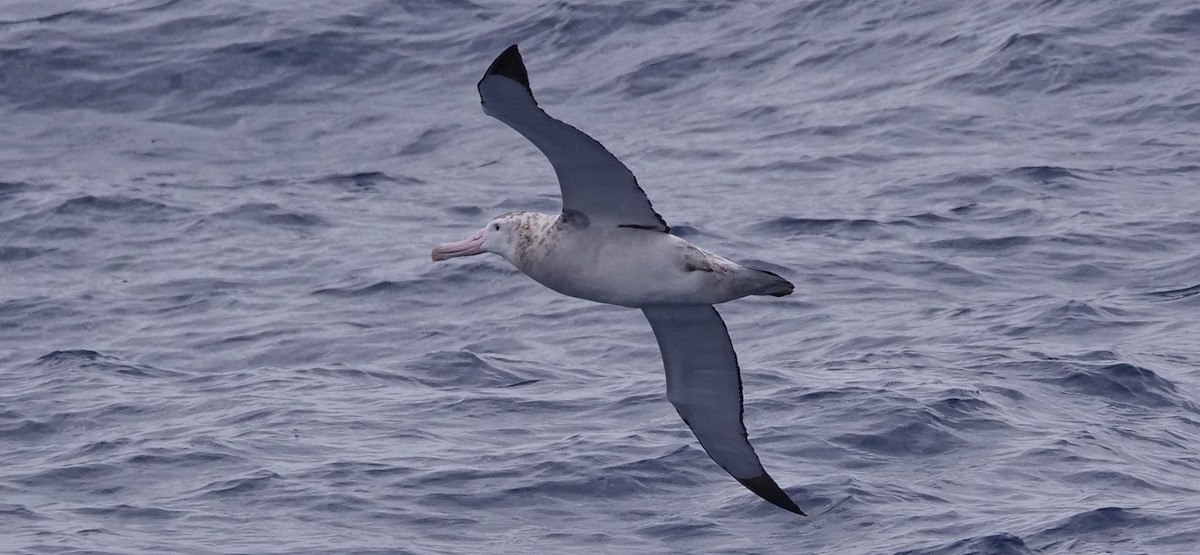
<point>496,227</point>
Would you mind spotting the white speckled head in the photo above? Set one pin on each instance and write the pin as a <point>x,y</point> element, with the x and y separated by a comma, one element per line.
<point>505,235</point>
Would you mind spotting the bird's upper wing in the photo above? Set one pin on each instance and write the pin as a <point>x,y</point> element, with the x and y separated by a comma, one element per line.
<point>705,385</point>
<point>594,183</point>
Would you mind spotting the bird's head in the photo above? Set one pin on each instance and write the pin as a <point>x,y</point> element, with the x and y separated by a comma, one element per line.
<point>503,236</point>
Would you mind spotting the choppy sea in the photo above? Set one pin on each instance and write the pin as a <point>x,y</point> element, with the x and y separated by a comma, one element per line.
<point>220,330</point>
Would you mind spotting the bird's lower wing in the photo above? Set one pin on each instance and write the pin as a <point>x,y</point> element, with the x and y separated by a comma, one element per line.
<point>705,386</point>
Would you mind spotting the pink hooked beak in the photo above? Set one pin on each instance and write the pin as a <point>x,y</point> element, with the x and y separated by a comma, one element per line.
<point>467,247</point>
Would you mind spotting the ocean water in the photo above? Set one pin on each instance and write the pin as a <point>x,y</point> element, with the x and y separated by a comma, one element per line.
<point>220,330</point>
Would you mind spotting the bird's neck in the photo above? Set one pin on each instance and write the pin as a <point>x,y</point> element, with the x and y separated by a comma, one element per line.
<point>534,236</point>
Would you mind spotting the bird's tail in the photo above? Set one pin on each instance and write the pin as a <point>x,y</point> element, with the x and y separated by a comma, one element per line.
<point>770,283</point>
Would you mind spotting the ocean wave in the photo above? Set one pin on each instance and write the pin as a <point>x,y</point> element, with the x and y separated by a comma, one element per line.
<point>218,311</point>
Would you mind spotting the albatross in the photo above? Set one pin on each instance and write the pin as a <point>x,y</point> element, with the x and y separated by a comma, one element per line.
<point>609,245</point>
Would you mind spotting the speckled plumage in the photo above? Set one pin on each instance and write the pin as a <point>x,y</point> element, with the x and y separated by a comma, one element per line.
<point>625,266</point>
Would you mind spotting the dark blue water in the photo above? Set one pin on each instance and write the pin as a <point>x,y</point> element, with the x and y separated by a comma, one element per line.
<point>220,330</point>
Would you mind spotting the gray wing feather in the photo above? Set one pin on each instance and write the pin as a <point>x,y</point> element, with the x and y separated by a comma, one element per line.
<point>705,386</point>
<point>594,183</point>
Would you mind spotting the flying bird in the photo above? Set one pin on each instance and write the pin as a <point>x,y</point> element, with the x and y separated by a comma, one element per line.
<point>609,245</point>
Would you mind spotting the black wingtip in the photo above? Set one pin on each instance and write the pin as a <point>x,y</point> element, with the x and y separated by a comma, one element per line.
<point>509,64</point>
<point>766,488</point>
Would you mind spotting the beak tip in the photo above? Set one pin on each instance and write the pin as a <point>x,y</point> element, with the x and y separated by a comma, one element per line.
<point>436,255</point>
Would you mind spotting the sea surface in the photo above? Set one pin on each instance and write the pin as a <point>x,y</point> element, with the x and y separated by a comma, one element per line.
<point>221,331</point>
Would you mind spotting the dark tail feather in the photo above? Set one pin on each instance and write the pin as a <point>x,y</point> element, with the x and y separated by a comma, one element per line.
<point>774,285</point>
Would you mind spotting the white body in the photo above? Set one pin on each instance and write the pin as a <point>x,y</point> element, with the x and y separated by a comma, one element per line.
<point>626,266</point>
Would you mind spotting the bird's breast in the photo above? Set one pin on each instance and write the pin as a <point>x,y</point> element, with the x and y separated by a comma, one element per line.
<point>627,267</point>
